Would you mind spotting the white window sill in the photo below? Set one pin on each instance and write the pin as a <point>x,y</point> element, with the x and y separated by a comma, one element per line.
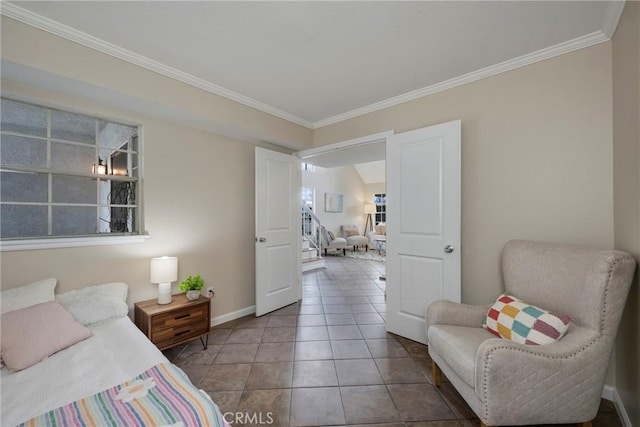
<point>69,242</point>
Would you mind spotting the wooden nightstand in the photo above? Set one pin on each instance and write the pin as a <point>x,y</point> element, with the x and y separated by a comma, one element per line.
<point>172,324</point>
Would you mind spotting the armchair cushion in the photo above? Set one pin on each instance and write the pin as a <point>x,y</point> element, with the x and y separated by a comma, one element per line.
<point>518,321</point>
<point>458,345</point>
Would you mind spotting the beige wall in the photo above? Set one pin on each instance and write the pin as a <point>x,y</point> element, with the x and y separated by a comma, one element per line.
<point>198,185</point>
<point>536,157</point>
<point>374,188</point>
<point>626,161</point>
<point>342,180</point>
<point>199,204</point>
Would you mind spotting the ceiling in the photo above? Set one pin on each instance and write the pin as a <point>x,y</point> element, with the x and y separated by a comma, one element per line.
<point>317,63</point>
<point>373,172</point>
<point>368,160</point>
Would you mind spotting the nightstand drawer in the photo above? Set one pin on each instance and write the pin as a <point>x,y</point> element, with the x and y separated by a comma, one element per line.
<point>167,337</point>
<point>178,322</point>
<point>179,318</point>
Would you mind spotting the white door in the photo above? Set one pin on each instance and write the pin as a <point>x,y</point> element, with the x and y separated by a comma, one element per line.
<point>423,227</point>
<point>278,232</point>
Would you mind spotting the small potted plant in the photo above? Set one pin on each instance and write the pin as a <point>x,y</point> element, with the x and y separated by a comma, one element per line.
<point>192,285</point>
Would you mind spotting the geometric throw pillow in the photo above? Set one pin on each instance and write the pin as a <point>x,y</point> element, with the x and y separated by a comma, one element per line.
<point>524,323</point>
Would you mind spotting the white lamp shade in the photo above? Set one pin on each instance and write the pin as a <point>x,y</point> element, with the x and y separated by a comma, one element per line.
<point>164,269</point>
<point>369,208</point>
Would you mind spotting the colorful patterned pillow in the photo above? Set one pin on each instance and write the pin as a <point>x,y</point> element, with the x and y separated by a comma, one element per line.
<point>524,323</point>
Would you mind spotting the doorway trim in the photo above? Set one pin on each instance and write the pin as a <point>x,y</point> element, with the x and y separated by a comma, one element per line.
<point>351,143</point>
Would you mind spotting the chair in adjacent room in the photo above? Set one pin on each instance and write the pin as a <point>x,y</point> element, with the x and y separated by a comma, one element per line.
<point>331,242</point>
<point>353,236</point>
<point>507,382</point>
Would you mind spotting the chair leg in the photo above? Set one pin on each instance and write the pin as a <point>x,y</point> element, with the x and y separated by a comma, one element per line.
<point>585,424</point>
<point>344,251</point>
<point>437,374</point>
<point>325,251</point>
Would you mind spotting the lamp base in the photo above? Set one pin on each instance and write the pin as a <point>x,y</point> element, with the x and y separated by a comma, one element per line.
<point>164,293</point>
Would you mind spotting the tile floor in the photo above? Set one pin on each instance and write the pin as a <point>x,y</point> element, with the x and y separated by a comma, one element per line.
<point>327,360</point>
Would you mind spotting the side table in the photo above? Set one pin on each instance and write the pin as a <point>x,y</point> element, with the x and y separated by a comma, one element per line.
<point>168,325</point>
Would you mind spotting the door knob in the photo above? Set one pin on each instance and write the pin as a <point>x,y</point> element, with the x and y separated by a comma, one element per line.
<point>262,239</point>
<point>448,249</point>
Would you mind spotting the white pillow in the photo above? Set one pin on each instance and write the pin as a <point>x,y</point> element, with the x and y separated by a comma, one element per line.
<point>97,303</point>
<point>27,295</point>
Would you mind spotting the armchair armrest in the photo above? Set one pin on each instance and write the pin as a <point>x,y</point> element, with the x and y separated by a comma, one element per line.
<point>562,382</point>
<point>445,312</point>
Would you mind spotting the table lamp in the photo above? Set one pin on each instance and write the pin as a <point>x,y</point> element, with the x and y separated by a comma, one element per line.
<point>164,270</point>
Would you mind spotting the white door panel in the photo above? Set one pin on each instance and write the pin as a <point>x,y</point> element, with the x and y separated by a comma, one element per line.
<point>278,271</point>
<point>423,210</point>
<point>420,175</point>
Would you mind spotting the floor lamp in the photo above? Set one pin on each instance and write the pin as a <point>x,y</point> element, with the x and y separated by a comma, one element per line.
<point>368,210</point>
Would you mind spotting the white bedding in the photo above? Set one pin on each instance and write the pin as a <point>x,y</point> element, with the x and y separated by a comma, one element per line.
<point>115,353</point>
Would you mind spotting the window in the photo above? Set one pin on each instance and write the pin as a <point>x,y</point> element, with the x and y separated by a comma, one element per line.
<point>380,200</point>
<point>64,174</point>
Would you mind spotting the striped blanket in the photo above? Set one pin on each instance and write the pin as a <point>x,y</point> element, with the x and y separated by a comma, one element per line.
<point>160,396</point>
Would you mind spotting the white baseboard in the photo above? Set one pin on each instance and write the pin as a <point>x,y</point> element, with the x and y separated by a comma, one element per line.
<point>233,315</point>
<point>607,392</point>
<point>611,393</point>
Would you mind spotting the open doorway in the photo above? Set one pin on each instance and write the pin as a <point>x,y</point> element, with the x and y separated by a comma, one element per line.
<point>362,205</point>
<point>423,202</point>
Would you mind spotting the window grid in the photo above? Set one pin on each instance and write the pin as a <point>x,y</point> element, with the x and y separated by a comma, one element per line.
<point>100,180</point>
<point>380,200</point>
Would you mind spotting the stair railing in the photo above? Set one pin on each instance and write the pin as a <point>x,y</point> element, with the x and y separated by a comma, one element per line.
<point>311,228</point>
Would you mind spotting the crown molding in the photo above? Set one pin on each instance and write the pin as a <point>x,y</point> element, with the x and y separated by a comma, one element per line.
<point>20,14</point>
<point>521,61</point>
<point>30,18</point>
<point>613,18</point>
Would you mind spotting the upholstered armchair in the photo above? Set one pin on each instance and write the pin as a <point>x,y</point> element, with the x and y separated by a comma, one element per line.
<point>329,241</point>
<point>507,383</point>
<point>351,233</point>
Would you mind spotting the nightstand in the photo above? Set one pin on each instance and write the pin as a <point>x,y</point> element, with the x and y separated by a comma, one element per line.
<point>178,322</point>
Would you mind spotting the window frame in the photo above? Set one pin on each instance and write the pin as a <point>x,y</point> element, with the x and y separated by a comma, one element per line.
<point>381,209</point>
<point>75,240</point>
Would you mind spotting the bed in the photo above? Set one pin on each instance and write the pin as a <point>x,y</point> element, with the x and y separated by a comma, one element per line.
<point>116,362</point>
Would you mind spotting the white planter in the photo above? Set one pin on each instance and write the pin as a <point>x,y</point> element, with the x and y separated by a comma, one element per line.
<point>193,295</point>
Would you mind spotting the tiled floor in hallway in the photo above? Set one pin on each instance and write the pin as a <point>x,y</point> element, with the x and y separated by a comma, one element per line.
<point>327,360</point>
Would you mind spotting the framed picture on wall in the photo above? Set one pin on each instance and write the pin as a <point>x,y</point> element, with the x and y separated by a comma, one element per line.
<point>333,202</point>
